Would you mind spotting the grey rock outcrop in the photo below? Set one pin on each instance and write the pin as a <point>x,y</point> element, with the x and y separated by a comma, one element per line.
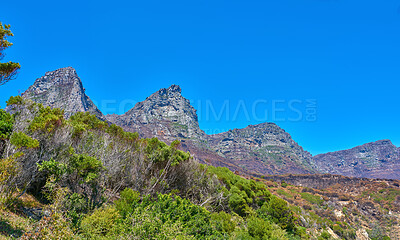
<point>380,159</point>
<point>166,114</point>
<point>63,89</point>
<point>259,149</point>
<point>263,148</point>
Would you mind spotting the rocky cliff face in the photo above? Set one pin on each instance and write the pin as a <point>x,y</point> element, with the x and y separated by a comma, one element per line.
<point>260,149</point>
<point>255,150</point>
<point>380,159</point>
<point>264,148</point>
<point>63,89</point>
<point>166,114</point>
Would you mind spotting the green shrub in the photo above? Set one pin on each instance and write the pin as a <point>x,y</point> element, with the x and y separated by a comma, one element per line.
<point>9,169</point>
<point>223,222</point>
<point>6,124</point>
<point>100,223</point>
<point>259,228</point>
<point>237,201</point>
<point>128,200</point>
<point>324,235</point>
<point>20,139</point>
<point>313,199</point>
<point>158,151</point>
<point>47,119</point>
<point>87,168</point>
<point>279,212</point>
<point>82,121</point>
<point>17,100</point>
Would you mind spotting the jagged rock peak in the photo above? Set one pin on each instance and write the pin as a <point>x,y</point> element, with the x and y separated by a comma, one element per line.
<point>63,89</point>
<point>172,91</point>
<point>174,88</point>
<point>379,159</point>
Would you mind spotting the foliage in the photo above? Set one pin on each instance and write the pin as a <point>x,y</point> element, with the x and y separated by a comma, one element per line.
<point>324,235</point>
<point>83,121</point>
<point>9,169</point>
<point>223,222</point>
<point>278,211</point>
<point>259,228</point>
<point>117,131</point>
<point>100,222</point>
<point>47,119</point>
<point>54,226</point>
<point>20,139</point>
<point>80,176</point>
<point>17,100</point>
<point>158,151</point>
<point>128,199</point>
<point>6,124</point>
<point>165,217</point>
<point>7,70</point>
<point>244,193</point>
<point>312,198</point>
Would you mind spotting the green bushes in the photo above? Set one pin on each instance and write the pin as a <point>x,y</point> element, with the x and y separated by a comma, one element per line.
<point>166,217</point>
<point>47,119</point>
<point>313,199</point>
<point>223,222</point>
<point>83,121</point>
<point>100,223</point>
<point>126,203</point>
<point>79,174</point>
<point>243,193</point>
<point>259,228</point>
<point>158,151</point>
<point>278,211</point>
<point>20,139</point>
<point>17,100</point>
<point>9,169</point>
<point>6,124</point>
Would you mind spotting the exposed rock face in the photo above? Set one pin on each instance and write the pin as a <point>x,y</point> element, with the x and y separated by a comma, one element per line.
<point>165,114</point>
<point>380,159</point>
<point>259,149</point>
<point>264,148</point>
<point>63,89</point>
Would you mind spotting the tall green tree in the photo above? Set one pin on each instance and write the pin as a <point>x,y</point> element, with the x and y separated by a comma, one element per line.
<point>8,70</point>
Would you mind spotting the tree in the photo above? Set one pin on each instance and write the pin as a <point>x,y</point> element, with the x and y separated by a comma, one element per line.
<point>9,70</point>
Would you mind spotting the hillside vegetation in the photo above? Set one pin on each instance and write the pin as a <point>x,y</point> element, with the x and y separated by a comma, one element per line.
<point>83,178</point>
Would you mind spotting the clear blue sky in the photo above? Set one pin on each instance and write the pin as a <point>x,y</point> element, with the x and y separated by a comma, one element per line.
<point>343,54</point>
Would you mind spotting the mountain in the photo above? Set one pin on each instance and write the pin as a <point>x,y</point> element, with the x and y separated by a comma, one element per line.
<point>380,159</point>
<point>256,150</point>
<point>260,149</point>
<point>263,149</point>
<point>63,89</point>
<point>165,114</point>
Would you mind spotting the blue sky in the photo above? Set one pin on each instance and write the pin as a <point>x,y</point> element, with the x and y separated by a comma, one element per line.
<point>238,58</point>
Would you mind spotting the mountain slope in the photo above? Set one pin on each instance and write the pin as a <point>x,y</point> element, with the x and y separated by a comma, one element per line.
<point>63,89</point>
<point>264,149</point>
<point>259,149</point>
<point>165,114</point>
<point>380,159</point>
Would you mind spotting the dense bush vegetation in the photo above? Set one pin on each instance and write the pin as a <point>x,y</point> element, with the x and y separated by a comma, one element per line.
<point>20,139</point>
<point>6,125</point>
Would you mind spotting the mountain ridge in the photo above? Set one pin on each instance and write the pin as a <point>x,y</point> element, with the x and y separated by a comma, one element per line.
<point>63,89</point>
<point>260,149</point>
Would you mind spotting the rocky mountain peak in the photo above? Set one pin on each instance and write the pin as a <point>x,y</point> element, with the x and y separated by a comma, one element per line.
<point>62,88</point>
<point>173,92</point>
<point>379,159</point>
<point>165,114</point>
